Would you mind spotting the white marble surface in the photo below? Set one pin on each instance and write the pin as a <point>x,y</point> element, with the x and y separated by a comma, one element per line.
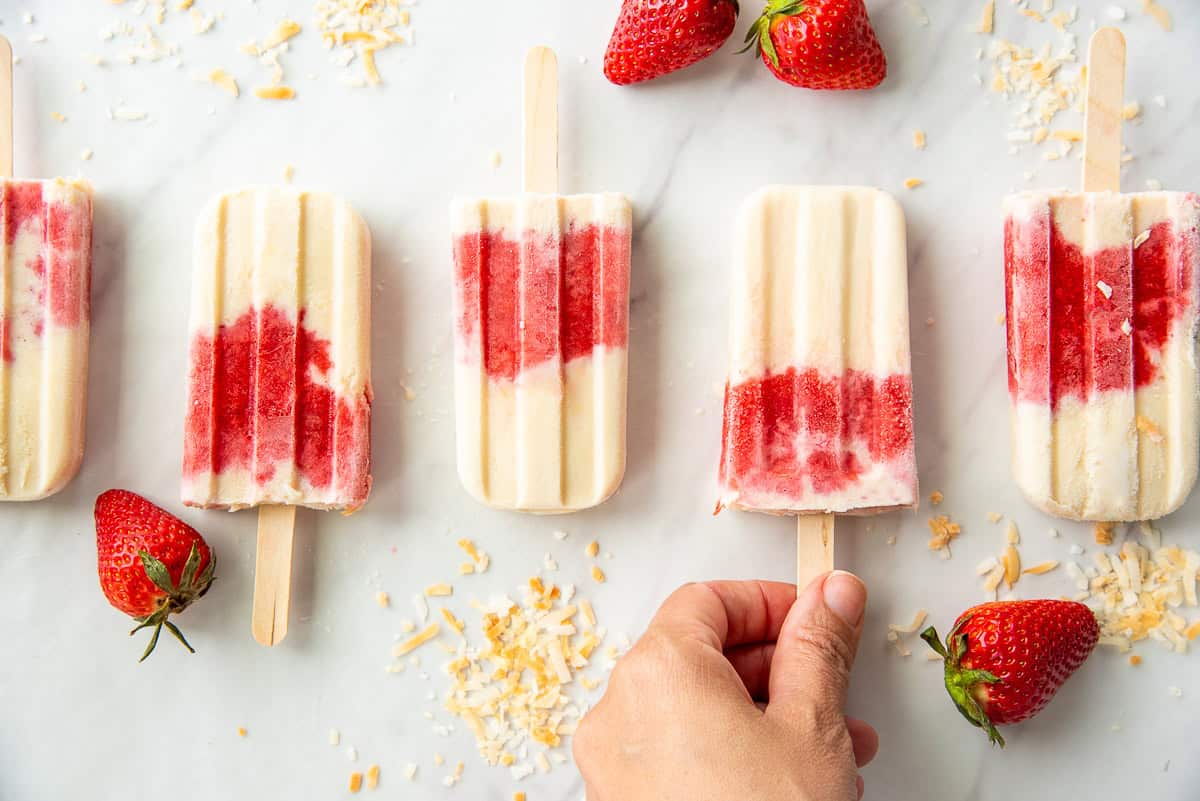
<point>81,719</point>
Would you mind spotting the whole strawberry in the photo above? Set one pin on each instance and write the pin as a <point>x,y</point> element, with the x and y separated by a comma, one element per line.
<point>654,37</point>
<point>819,44</point>
<point>151,563</point>
<point>1006,660</point>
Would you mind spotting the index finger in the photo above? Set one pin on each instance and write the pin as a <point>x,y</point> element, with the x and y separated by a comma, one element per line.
<point>727,613</point>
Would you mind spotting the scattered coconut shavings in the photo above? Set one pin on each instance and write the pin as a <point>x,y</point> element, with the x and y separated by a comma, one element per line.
<point>935,498</point>
<point>1039,82</point>
<point>241,731</point>
<point>356,781</point>
<point>513,688</point>
<point>1131,111</point>
<point>598,575</point>
<point>1143,593</point>
<point>58,117</point>
<point>372,777</point>
<point>1012,535</point>
<point>994,517</point>
<point>592,549</point>
<point>87,154</point>
<point>944,531</point>
<point>383,599</point>
<point>1103,532</point>
<point>1141,238</point>
<point>288,172</point>
<point>359,29</point>
<point>912,183</point>
<point>335,737</point>
<point>919,139</point>
<point>439,590</point>
<point>1105,289</point>
<point>410,771</point>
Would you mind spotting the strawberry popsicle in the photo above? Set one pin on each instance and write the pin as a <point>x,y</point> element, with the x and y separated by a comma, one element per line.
<point>541,303</point>
<point>279,392</point>
<point>818,405</point>
<point>45,278</point>
<point>1102,296</point>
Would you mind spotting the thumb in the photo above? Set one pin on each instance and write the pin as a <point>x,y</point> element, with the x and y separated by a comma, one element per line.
<point>810,671</point>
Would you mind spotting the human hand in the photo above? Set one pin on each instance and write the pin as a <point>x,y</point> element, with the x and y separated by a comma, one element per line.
<point>679,719</point>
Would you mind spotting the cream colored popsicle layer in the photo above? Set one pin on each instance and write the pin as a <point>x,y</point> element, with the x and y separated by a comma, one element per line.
<point>45,280</point>
<point>541,300</point>
<point>279,390</point>
<point>1102,312</point>
<point>818,407</point>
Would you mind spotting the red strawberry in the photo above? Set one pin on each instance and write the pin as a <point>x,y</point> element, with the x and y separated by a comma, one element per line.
<point>654,37</point>
<point>151,563</point>
<point>1006,660</point>
<point>819,44</point>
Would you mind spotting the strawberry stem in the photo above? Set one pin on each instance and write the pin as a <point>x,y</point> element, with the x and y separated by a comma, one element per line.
<point>961,683</point>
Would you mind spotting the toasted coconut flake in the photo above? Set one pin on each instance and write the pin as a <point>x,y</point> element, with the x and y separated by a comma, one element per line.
<point>412,643</point>
<point>994,517</point>
<point>598,575</point>
<point>275,92</point>
<point>224,81</point>
<point>919,139</point>
<point>1041,568</point>
<point>1160,14</point>
<point>466,568</point>
<point>944,531</point>
<point>1011,560</point>
<point>372,777</point>
<point>1103,532</point>
<point>1146,426</point>
<point>912,183</point>
<point>282,33</point>
<point>454,622</point>
<point>356,781</point>
<point>592,549</point>
<point>1012,535</point>
<point>936,498</point>
<point>439,590</point>
<point>917,621</point>
<point>383,599</point>
<point>987,21</point>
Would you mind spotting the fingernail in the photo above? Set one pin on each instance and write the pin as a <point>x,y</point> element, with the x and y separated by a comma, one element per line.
<point>846,595</point>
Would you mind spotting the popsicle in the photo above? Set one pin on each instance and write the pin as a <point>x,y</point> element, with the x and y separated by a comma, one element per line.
<point>541,299</point>
<point>818,404</point>
<point>45,278</point>
<point>1102,301</point>
<point>279,390</point>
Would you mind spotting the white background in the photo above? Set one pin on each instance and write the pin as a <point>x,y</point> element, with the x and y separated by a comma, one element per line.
<point>79,718</point>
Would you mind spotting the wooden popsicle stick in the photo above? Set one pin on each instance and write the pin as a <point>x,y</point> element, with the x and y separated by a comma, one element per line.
<point>540,131</point>
<point>273,573</point>
<point>6,109</point>
<point>1103,114</point>
<point>814,548</point>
